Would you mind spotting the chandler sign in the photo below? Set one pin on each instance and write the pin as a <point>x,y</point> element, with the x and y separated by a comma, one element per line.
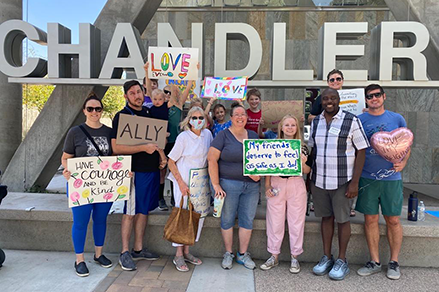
<point>126,39</point>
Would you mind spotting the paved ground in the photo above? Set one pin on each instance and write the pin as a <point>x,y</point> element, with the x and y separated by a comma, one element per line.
<point>26,271</point>
<point>280,279</point>
<point>53,271</point>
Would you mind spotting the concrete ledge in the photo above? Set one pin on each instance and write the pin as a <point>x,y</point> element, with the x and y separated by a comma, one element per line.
<point>48,227</point>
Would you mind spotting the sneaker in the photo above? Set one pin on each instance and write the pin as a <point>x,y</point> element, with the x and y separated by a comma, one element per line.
<point>126,262</point>
<point>227,261</point>
<point>393,271</point>
<point>270,263</point>
<point>295,266</point>
<point>369,268</point>
<point>103,261</point>
<point>245,260</point>
<point>339,270</point>
<point>162,205</point>
<point>81,269</point>
<point>144,254</point>
<point>324,266</point>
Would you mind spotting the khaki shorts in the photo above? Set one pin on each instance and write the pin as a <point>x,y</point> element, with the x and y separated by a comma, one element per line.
<point>329,203</point>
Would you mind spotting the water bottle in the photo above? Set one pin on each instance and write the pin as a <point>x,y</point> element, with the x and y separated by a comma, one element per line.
<point>275,191</point>
<point>421,211</point>
<point>412,212</point>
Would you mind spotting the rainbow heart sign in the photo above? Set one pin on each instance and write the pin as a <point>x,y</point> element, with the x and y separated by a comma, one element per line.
<point>225,87</point>
<point>173,63</point>
<point>98,179</point>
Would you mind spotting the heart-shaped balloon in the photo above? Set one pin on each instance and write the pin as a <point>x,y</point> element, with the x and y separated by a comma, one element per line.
<point>392,146</point>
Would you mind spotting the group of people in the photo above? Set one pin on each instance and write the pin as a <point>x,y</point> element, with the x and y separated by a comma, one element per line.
<point>342,166</point>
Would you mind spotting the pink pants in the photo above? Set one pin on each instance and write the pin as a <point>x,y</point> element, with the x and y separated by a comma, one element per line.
<point>291,201</point>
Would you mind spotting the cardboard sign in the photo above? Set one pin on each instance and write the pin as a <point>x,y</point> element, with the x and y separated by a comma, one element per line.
<point>135,130</point>
<point>225,87</point>
<point>274,111</point>
<point>173,63</point>
<point>200,190</point>
<point>98,179</point>
<point>272,157</point>
<point>182,84</point>
<point>352,100</point>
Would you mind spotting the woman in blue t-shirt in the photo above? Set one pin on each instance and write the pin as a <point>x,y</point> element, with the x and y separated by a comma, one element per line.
<point>240,193</point>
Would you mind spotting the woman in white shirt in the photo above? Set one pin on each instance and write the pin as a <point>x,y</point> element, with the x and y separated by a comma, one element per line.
<point>189,152</point>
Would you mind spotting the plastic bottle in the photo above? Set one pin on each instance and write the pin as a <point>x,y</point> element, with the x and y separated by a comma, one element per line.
<point>421,211</point>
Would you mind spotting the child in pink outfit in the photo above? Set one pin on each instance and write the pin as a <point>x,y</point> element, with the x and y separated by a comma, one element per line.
<point>290,202</point>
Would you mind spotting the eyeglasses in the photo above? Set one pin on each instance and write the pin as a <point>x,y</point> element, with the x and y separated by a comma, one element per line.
<point>372,95</point>
<point>90,109</point>
<point>197,118</point>
<point>338,79</point>
<point>167,92</point>
<point>240,116</point>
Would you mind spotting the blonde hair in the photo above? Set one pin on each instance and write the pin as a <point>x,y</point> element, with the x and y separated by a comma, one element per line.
<point>158,92</point>
<point>194,101</point>
<point>280,133</point>
<point>184,125</point>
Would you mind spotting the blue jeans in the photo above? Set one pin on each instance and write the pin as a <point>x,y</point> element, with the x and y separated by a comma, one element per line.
<point>242,199</point>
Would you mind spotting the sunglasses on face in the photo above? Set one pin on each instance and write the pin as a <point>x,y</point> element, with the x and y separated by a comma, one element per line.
<point>167,91</point>
<point>197,118</point>
<point>90,109</point>
<point>338,79</point>
<point>372,95</point>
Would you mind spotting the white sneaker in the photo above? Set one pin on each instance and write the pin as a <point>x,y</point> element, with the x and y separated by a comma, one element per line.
<point>295,266</point>
<point>270,263</point>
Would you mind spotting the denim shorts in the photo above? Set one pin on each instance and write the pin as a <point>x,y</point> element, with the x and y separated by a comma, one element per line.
<point>242,199</point>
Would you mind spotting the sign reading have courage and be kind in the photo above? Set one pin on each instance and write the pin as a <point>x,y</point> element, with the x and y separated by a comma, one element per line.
<point>98,179</point>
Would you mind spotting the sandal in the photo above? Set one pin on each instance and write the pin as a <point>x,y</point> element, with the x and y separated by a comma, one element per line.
<point>180,264</point>
<point>192,260</point>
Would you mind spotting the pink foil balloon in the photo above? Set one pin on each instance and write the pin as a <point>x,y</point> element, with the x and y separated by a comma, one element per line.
<point>392,146</point>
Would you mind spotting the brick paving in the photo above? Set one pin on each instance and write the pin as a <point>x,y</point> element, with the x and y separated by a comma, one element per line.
<point>150,276</point>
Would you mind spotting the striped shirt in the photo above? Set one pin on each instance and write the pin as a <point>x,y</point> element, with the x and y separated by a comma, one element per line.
<point>334,148</point>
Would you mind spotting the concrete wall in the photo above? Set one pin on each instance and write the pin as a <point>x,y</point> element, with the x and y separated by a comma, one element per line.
<point>10,97</point>
<point>420,107</point>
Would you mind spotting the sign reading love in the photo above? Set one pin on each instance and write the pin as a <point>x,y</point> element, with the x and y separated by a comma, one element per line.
<point>392,146</point>
<point>173,63</point>
<point>225,87</point>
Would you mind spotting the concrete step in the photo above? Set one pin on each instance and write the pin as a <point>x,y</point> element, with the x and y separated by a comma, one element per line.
<point>48,227</point>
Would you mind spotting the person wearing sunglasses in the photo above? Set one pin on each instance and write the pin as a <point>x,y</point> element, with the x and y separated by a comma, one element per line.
<point>78,144</point>
<point>335,81</point>
<point>189,152</point>
<point>376,190</point>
